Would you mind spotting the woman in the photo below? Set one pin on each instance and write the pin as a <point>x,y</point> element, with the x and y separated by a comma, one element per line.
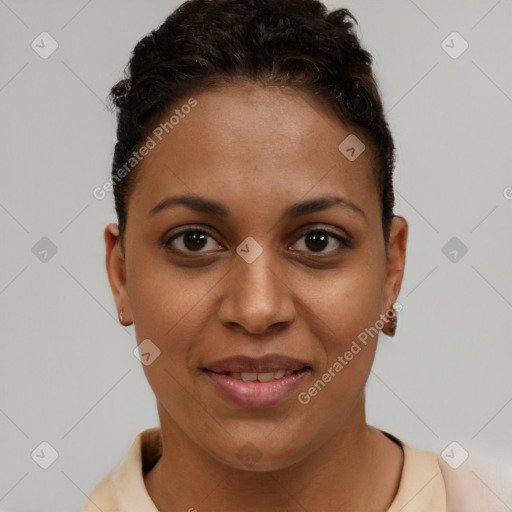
<point>258,256</point>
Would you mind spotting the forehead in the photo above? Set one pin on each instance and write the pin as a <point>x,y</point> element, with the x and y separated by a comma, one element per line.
<point>244,143</point>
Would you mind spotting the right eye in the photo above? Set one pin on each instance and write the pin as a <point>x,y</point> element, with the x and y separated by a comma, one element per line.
<point>190,241</point>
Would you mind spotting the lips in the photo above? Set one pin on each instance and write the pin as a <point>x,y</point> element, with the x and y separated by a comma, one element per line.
<point>268,363</point>
<point>257,382</point>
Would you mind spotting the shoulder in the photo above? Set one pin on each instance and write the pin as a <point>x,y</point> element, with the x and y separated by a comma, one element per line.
<point>438,482</point>
<point>477,485</point>
<point>421,487</point>
<point>102,497</point>
<point>123,489</point>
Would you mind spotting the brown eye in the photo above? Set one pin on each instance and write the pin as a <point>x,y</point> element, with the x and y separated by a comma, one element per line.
<point>191,240</point>
<point>317,240</point>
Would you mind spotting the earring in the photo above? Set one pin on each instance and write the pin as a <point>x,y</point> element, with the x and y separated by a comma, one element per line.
<point>121,318</point>
<point>389,327</point>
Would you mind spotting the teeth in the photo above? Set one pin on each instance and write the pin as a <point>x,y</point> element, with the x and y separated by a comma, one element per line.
<point>260,377</point>
<point>266,377</point>
<point>249,377</point>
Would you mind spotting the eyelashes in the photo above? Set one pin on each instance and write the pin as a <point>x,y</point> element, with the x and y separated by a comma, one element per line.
<point>343,242</point>
<point>200,241</point>
<point>204,234</point>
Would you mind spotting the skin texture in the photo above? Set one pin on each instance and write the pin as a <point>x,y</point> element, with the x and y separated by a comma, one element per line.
<point>257,149</point>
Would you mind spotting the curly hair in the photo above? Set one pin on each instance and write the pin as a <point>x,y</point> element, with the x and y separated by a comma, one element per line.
<point>208,43</point>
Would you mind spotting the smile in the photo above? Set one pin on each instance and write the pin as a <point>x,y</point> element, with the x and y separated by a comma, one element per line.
<point>257,390</point>
<point>260,377</point>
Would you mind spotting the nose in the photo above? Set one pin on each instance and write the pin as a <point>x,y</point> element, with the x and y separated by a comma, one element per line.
<point>256,296</point>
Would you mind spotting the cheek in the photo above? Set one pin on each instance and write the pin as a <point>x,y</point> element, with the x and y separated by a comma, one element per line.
<point>170,310</point>
<point>344,311</point>
<point>348,302</point>
<point>349,346</point>
<point>169,307</point>
<point>164,299</point>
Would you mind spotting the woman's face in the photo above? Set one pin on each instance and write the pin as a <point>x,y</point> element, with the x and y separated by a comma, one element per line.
<point>258,276</point>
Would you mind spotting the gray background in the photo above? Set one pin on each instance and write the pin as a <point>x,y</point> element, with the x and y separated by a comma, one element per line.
<point>68,375</point>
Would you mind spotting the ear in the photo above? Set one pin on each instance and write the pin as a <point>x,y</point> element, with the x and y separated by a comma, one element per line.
<point>116,271</point>
<point>395,260</point>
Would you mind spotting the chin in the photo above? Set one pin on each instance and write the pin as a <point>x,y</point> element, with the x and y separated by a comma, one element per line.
<point>260,457</point>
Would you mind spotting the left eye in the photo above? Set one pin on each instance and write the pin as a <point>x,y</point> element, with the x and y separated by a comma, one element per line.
<point>318,239</point>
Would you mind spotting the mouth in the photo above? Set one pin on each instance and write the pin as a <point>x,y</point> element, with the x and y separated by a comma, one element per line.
<point>259,376</point>
<point>257,383</point>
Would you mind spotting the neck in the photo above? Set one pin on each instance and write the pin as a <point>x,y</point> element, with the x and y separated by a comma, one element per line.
<point>359,468</point>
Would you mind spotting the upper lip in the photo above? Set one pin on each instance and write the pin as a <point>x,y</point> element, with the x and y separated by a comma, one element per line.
<point>267,363</point>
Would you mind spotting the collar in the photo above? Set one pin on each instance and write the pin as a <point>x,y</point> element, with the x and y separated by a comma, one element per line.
<point>421,487</point>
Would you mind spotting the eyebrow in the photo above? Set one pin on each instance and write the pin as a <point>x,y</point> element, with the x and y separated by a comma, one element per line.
<point>200,204</point>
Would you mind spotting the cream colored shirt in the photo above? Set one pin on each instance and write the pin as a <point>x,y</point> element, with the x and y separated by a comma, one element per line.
<point>422,487</point>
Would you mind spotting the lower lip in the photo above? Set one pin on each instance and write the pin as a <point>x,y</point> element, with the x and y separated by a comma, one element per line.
<point>257,394</point>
